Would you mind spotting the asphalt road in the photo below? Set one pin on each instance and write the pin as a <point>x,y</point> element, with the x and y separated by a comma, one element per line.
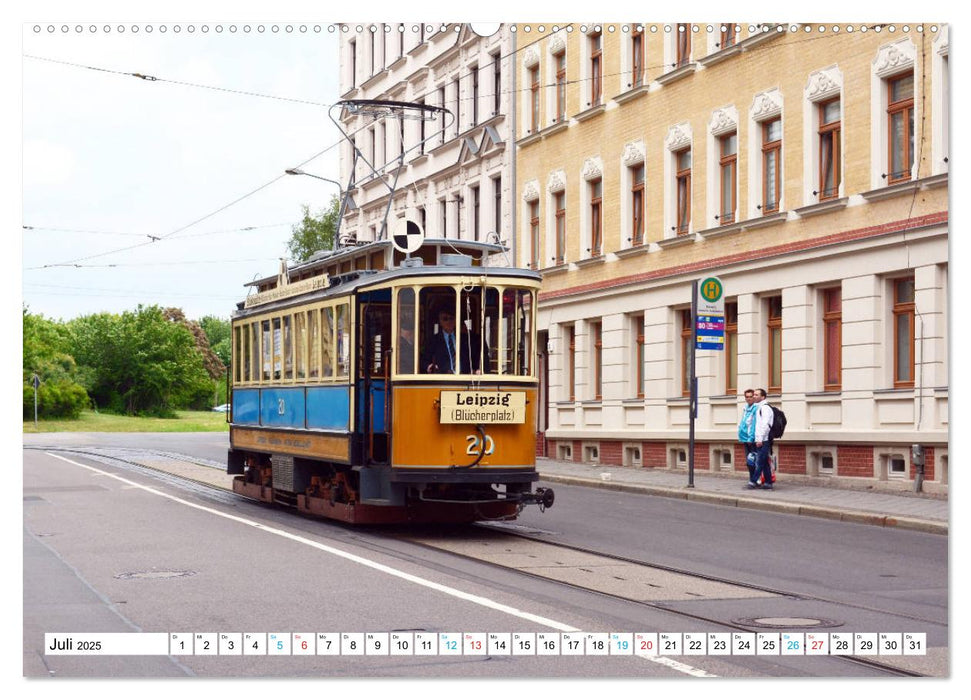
<point>102,554</point>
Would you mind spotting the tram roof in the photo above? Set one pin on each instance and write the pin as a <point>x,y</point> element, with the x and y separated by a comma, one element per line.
<point>324,259</point>
<point>457,262</point>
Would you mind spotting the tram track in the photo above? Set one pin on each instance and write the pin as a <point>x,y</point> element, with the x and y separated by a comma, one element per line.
<point>728,625</point>
<point>136,458</point>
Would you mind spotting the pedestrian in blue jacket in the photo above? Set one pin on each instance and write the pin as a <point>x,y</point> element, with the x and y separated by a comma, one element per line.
<point>746,433</point>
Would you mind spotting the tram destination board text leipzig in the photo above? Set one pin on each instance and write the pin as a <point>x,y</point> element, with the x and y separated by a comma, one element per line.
<point>505,407</point>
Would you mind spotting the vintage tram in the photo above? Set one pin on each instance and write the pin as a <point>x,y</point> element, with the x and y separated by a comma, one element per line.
<point>375,387</point>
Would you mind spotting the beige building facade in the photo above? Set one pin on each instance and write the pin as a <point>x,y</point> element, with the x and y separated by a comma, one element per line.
<point>806,166</point>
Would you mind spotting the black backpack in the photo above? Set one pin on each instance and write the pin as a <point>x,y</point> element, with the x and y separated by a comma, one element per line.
<point>778,423</point>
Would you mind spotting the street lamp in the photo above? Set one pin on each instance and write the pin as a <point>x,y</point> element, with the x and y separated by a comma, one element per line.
<point>347,203</point>
<point>298,171</point>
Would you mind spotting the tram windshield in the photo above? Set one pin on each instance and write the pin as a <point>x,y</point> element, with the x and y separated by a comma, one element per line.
<point>469,330</point>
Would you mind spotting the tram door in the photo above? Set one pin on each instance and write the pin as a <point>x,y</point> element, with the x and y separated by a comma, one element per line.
<point>375,403</point>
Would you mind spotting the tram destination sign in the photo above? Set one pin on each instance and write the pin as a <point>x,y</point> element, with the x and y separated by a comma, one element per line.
<point>284,291</point>
<point>505,407</point>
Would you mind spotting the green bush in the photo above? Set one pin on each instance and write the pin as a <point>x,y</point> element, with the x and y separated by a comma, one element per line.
<point>59,398</point>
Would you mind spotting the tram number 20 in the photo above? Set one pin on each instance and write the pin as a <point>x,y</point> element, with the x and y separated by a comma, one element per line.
<point>480,444</point>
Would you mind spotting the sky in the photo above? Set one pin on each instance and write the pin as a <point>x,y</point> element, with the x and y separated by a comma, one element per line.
<point>195,158</point>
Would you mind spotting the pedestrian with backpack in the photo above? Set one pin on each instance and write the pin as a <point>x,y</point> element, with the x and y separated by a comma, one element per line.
<point>746,433</point>
<point>764,419</point>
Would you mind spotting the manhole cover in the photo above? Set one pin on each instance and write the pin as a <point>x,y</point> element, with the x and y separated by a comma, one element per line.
<point>786,622</point>
<point>154,574</point>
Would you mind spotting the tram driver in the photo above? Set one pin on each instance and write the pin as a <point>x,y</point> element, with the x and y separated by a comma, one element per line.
<point>443,356</point>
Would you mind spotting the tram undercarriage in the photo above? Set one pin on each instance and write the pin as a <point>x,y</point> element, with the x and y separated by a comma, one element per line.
<point>375,495</point>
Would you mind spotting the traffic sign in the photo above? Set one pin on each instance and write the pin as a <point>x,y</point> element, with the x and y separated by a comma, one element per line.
<point>710,316</point>
<point>711,297</point>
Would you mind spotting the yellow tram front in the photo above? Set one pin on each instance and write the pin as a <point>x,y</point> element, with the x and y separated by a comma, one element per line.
<point>449,390</point>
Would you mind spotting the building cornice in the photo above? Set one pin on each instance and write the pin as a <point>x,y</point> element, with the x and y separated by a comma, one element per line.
<point>920,222</point>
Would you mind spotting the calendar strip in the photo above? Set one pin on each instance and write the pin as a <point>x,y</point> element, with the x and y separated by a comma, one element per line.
<point>487,644</point>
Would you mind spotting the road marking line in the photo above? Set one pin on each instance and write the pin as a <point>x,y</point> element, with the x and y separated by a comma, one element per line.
<point>441,588</point>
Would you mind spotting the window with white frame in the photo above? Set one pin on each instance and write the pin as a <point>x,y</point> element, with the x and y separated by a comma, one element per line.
<point>727,177</point>
<point>637,44</point>
<point>634,201</point>
<point>534,255</point>
<point>682,176</point>
<point>457,106</point>
<point>497,205</point>
<point>556,189</point>
<point>637,345</point>
<point>352,54</point>
<point>677,180</point>
<point>633,50</point>
<point>441,103</point>
<point>595,42</point>
<point>591,214</point>
<point>765,154</point>
<point>474,79</point>
<point>823,135</point>
<point>682,45</point>
<point>722,177</point>
<point>559,93</point>
<point>534,93</point>
<point>474,212</point>
<point>596,355</point>
<point>496,82</point>
<point>534,234</point>
<point>892,113</point>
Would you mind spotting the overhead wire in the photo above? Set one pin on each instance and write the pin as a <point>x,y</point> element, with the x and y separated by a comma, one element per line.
<point>173,234</point>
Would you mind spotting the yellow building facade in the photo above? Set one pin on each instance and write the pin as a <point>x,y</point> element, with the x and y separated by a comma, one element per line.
<point>805,166</point>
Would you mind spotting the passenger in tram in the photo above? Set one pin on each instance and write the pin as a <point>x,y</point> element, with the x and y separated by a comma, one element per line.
<point>443,356</point>
<point>406,342</point>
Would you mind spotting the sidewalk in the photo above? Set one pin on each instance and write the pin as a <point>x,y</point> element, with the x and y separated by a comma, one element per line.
<point>912,511</point>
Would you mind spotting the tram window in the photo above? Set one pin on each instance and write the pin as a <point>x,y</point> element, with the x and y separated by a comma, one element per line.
<point>437,306</point>
<point>343,341</point>
<point>490,330</point>
<point>313,342</point>
<point>277,349</point>
<point>253,372</point>
<point>288,347</point>
<point>517,318</point>
<point>237,353</point>
<point>267,352</point>
<point>327,340</point>
<point>405,350</point>
<point>300,343</point>
<point>379,336</point>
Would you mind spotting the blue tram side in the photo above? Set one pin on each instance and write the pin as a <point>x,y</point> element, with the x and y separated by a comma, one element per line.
<point>336,412</point>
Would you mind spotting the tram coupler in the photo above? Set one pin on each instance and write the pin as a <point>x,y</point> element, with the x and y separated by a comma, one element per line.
<point>542,497</point>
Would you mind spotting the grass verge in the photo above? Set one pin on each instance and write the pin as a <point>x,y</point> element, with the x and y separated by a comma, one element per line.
<point>91,422</point>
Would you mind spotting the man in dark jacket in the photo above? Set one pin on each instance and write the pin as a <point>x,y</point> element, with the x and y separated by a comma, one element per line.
<point>444,356</point>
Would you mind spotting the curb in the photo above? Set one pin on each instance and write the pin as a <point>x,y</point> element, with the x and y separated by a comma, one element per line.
<point>786,507</point>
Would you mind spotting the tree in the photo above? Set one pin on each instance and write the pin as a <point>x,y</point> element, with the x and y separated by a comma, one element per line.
<point>217,331</point>
<point>141,362</point>
<point>45,344</point>
<point>314,233</point>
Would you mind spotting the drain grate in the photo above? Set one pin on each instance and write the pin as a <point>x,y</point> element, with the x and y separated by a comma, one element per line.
<point>154,574</point>
<point>787,623</point>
